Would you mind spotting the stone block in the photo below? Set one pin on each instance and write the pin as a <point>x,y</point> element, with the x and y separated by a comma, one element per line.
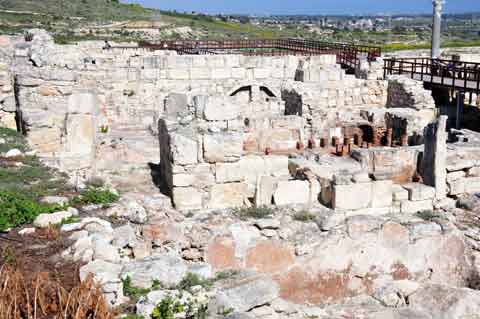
<point>264,192</point>
<point>259,73</point>
<point>399,193</point>
<point>472,185</point>
<point>352,196</point>
<point>82,103</point>
<point>178,74</point>
<point>419,192</point>
<point>276,165</point>
<point>184,149</point>
<point>229,172</point>
<point>474,172</point>
<point>221,74</point>
<point>80,135</point>
<point>200,74</point>
<point>411,207</point>
<point>221,110</point>
<point>292,192</point>
<point>185,198</point>
<point>228,195</point>
<point>453,176</point>
<point>457,186</point>
<point>203,175</point>
<point>382,194</point>
<point>239,73</point>
<point>175,103</point>
<point>222,147</point>
<point>183,180</point>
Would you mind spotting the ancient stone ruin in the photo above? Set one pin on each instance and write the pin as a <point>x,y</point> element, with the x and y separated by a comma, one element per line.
<point>363,153</point>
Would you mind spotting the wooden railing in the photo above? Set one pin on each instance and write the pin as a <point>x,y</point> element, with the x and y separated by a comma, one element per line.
<point>347,54</point>
<point>458,75</point>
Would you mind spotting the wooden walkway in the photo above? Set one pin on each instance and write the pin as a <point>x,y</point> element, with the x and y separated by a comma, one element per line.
<point>348,55</point>
<point>456,75</point>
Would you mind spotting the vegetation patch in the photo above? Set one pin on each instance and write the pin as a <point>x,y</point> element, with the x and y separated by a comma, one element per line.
<point>192,280</point>
<point>23,181</point>
<point>254,212</point>
<point>304,216</point>
<point>18,209</point>
<point>95,195</point>
<point>135,293</point>
<point>427,215</point>
<point>39,297</point>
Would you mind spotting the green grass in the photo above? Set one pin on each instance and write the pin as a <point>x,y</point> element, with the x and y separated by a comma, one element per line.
<point>134,292</point>
<point>192,280</point>
<point>303,216</point>
<point>18,209</point>
<point>13,139</point>
<point>391,47</point>
<point>23,182</point>
<point>253,212</point>
<point>95,195</point>
<point>427,215</point>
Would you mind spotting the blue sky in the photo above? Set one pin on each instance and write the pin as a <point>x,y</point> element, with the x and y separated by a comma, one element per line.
<point>309,6</point>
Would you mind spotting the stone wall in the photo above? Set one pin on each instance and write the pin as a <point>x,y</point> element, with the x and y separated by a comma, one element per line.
<point>230,155</point>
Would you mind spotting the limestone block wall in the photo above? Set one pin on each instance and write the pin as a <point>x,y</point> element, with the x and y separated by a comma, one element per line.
<point>229,156</point>
<point>130,89</point>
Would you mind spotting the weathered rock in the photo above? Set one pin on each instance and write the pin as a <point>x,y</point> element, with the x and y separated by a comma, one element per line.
<point>419,192</point>
<point>168,269</point>
<point>13,153</point>
<point>246,295</point>
<point>90,224</point>
<point>292,192</point>
<point>43,220</point>
<point>446,302</point>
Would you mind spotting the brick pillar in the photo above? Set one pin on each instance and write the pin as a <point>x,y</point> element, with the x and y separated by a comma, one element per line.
<point>389,137</point>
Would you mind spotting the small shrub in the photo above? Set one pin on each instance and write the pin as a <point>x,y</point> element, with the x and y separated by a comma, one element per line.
<point>167,309</point>
<point>226,274</point>
<point>192,280</point>
<point>304,216</point>
<point>70,220</point>
<point>254,212</point>
<point>18,209</point>
<point>95,195</point>
<point>427,215</point>
<point>133,292</point>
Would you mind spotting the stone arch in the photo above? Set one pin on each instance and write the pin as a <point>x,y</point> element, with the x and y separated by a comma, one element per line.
<point>256,91</point>
<point>267,91</point>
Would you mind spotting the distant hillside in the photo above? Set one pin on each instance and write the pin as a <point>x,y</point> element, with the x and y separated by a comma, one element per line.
<point>103,10</point>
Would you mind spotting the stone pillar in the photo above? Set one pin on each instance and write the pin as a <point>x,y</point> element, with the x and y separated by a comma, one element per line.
<point>80,128</point>
<point>436,30</point>
<point>435,156</point>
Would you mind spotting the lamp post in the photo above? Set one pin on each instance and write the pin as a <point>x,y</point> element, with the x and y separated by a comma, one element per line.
<point>437,24</point>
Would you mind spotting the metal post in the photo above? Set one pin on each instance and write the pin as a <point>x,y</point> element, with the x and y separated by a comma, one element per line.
<point>436,31</point>
<point>460,101</point>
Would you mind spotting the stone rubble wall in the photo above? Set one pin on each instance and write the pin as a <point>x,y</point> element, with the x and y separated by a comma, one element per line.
<point>404,92</point>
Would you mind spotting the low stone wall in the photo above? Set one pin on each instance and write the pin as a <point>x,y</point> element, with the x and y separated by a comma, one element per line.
<point>463,169</point>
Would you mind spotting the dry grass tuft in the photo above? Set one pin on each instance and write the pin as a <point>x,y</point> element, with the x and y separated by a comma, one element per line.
<point>40,297</point>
